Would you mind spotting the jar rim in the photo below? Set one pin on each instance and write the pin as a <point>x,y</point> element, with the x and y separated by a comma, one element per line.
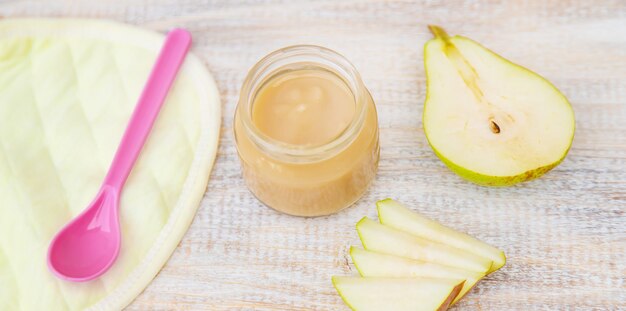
<point>316,56</point>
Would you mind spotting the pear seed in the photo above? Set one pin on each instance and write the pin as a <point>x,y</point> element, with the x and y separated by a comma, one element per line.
<point>495,128</point>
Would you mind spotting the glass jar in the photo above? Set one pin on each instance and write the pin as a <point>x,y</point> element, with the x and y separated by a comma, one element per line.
<point>310,180</point>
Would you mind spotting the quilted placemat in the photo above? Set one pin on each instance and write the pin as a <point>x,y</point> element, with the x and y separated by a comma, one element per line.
<point>67,89</point>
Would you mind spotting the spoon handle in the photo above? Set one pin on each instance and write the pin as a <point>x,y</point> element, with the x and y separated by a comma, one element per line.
<point>154,93</point>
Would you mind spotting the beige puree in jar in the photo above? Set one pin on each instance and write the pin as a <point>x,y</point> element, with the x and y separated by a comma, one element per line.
<point>306,132</point>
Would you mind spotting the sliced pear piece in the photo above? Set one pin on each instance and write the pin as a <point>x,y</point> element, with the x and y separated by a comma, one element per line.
<point>384,239</point>
<point>393,214</point>
<point>373,264</point>
<point>489,120</point>
<point>397,294</point>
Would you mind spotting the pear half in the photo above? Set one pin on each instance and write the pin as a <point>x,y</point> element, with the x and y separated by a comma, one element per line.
<point>491,121</point>
<point>373,264</point>
<point>397,294</point>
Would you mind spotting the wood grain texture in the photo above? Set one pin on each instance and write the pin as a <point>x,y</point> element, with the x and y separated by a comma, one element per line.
<point>564,234</point>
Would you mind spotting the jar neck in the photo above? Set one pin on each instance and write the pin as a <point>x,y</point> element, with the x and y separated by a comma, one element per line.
<point>308,57</point>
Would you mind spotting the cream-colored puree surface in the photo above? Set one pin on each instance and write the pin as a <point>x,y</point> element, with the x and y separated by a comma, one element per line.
<point>67,89</point>
<point>307,107</point>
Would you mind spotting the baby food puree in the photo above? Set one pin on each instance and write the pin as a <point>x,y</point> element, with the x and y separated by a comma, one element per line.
<point>306,107</point>
<point>306,131</point>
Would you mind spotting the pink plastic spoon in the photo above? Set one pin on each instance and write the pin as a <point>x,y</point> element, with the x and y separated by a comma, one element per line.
<point>87,246</point>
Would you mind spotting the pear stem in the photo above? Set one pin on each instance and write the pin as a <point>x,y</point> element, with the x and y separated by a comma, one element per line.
<point>438,32</point>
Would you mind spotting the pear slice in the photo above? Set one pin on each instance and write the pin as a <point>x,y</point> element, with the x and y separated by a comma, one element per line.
<point>384,239</point>
<point>396,215</point>
<point>373,264</point>
<point>397,294</point>
<point>489,120</point>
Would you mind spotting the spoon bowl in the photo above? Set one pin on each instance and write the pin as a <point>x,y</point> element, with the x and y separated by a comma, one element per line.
<point>88,246</point>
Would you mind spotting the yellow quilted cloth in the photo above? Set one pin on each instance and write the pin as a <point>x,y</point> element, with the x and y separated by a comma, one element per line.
<point>67,89</point>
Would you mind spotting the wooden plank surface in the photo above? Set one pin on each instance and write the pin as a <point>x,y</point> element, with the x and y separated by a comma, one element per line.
<point>564,234</point>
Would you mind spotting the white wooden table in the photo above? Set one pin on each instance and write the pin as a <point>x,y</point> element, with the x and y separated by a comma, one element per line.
<point>564,234</point>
